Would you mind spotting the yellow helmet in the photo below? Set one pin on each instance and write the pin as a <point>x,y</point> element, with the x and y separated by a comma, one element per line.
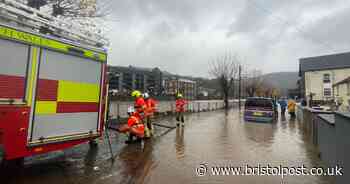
<point>179,95</point>
<point>136,93</point>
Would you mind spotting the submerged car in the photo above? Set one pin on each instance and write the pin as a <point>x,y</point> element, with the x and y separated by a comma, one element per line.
<point>259,109</point>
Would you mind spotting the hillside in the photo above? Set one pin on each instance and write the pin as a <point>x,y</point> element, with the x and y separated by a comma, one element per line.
<point>282,80</point>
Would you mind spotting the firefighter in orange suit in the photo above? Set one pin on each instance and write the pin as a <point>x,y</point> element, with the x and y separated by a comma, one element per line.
<point>140,104</point>
<point>180,109</point>
<point>134,126</point>
<point>149,111</point>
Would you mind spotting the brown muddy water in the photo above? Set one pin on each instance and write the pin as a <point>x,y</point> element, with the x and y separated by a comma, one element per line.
<point>216,138</point>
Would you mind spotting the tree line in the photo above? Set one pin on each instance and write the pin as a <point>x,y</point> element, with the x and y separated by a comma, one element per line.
<point>237,80</point>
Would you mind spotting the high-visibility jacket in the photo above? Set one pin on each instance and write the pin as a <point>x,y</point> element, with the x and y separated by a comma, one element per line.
<point>291,106</point>
<point>133,120</point>
<point>150,107</point>
<point>180,105</point>
<point>136,127</point>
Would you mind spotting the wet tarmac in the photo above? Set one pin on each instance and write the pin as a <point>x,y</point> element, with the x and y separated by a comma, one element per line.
<point>216,138</point>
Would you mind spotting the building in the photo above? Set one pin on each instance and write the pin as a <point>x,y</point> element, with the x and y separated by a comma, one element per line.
<point>125,79</point>
<point>318,74</point>
<point>207,93</point>
<point>159,83</point>
<point>174,84</point>
<point>342,93</point>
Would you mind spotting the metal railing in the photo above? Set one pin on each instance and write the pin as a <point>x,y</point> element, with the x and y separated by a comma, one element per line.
<point>119,109</point>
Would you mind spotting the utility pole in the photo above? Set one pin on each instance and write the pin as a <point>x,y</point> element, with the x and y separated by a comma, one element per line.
<point>239,85</point>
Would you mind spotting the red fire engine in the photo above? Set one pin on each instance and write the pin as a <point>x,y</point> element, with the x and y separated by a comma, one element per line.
<point>52,89</point>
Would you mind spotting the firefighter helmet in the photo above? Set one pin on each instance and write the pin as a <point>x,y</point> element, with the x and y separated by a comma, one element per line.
<point>145,95</point>
<point>136,93</point>
<point>179,95</point>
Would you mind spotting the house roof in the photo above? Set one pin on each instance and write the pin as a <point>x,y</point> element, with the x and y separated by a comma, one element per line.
<point>346,80</point>
<point>334,61</point>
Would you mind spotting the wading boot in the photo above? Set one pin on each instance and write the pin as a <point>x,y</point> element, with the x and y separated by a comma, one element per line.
<point>130,139</point>
<point>147,132</point>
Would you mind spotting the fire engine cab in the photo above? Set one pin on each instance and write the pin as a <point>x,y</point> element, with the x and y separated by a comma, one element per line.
<point>52,85</point>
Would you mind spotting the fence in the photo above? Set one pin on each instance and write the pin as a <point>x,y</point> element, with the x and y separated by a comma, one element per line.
<point>307,117</point>
<point>326,138</point>
<point>330,133</point>
<point>342,137</point>
<point>119,108</point>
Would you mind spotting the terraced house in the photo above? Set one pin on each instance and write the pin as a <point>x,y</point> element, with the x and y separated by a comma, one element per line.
<point>319,74</point>
<point>342,94</point>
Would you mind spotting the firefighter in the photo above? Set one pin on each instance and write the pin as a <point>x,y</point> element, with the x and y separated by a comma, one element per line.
<point>180,109</point>
<point>140,107</point>
<point>139,104</point>
<point>134,126</point>
<point>149,111</point>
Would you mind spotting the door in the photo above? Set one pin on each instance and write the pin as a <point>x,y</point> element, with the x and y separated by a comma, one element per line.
<point>67,96</point>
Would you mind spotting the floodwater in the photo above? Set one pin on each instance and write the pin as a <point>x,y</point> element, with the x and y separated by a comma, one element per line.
<point>215,138</point>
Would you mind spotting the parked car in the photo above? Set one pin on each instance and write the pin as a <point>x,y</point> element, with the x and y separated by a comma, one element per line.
<point>259,109</point>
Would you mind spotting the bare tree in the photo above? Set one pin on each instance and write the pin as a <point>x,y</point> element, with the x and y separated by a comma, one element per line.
<point>225,70</point>
<point>89,15</point>
<point>71,8</point>
<point>254,82</point>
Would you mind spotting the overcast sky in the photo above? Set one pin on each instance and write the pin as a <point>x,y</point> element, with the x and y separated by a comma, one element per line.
<point>183,36</point>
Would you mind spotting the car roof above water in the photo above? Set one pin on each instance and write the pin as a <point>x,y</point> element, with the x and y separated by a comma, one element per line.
<point>258,101</point>
<point>258,98</point>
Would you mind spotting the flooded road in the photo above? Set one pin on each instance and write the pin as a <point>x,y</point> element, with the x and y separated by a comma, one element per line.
<point>215,138</point>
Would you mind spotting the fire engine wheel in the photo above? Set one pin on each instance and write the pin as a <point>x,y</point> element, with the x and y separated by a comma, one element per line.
<point>12,164</point>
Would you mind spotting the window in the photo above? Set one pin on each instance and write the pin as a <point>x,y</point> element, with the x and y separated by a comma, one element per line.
<point>258,103</point>
<point>327,92</point>
<point>326,78</point>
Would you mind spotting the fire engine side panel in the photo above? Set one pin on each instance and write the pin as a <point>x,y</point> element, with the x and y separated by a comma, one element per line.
<point>13,69</point>
<point>62,124</point>
<point>67,97</point>
<point>60,66</point>
<point>68,91</point>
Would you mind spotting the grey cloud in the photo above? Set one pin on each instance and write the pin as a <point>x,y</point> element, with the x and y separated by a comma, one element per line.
<point>182,36</point>
<point>336,32</point>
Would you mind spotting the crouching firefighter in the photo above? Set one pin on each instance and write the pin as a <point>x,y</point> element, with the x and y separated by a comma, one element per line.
<point>149,112</point>
<point>140,107</point>
<point>134,126</point>
<point>180,109</point>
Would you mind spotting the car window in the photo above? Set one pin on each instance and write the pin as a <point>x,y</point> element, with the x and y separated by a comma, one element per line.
<point>258,103</point>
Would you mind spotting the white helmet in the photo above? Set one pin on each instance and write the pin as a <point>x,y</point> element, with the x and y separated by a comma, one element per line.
<point>131,109</point>
<point>145,95</point>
